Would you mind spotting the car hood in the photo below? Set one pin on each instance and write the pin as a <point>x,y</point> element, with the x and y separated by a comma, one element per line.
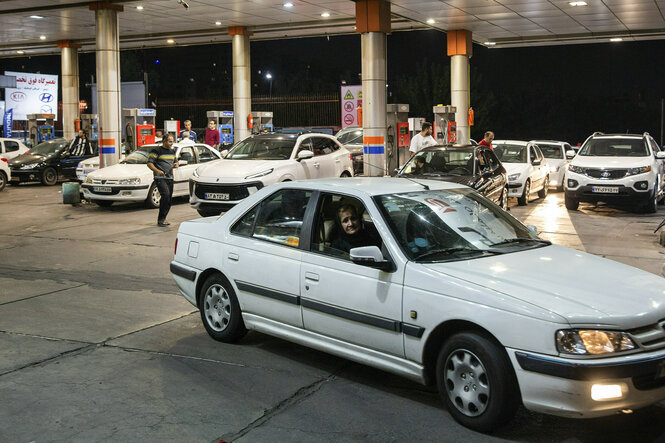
<point>238,169</point>
<point>512,168</point>
<point>582,288</point>
<point>121,171</point>
<point>28,159</point>
<point>611,162</point>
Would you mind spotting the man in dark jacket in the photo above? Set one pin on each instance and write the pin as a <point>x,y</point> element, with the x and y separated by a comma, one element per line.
<point>161,162</point>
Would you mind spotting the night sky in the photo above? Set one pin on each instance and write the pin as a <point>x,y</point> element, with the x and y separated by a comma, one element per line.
<point>553,92</point>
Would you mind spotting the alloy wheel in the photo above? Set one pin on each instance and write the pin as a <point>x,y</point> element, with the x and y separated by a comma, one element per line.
<point>217,307</point>
<point>467,383</point>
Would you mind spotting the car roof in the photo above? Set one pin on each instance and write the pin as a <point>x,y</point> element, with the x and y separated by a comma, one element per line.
<point>617,136</point>
<point>450,148</point>
<point>548,141</point>
<point>512,142</point>
<point>370,186</point>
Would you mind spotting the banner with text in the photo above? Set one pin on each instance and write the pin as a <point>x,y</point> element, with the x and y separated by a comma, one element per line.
<point>8,122</point>
<point>34,94</point>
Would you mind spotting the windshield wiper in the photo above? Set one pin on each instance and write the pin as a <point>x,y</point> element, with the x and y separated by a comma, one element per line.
<point>522,240</point>
<point>449,251</point>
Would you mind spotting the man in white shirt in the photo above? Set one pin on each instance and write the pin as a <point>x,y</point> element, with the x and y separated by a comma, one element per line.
<point>423,139</point>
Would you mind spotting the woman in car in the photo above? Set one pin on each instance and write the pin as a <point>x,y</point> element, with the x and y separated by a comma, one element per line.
<point>351,233</point>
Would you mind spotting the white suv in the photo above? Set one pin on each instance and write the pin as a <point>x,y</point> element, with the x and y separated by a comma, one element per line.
<point>616,168</point>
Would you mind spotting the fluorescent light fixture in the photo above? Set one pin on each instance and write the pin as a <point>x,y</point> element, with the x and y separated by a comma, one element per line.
<point>170,41</point>
<point>288,5</point>
<point>36,16</point>
<point>325,14</point>
<point>139,7</point>
<point>577,3</point>
<point>20,52</point>
<point>616,39</point>
<point>605,392</point>
<point>268,76</point>
<point>430,21</point>
<point>42,37</point>
<point>218,23</point>
<point>490,43</point>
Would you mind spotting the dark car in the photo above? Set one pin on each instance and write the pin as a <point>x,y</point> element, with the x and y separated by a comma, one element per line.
<point>47,163</point>
<point>474,166</point>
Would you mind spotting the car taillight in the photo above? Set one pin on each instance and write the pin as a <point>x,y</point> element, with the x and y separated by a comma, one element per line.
<point>175,249</point>
<point>351,156</point>
<point>4,160</point>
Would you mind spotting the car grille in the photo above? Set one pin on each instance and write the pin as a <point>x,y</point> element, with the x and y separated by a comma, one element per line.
<point>650,337</point>
<point>606,174</point>
<point>236,192</point>
<point>97,181</point>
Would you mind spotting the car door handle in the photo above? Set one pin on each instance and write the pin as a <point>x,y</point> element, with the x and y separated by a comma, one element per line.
<point>316,165</point>
<point>311,276</point>
<point>233,256</point>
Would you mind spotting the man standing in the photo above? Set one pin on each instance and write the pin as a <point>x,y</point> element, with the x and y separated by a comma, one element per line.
<point>81,145</point>
<point>188,128</point>
<point>423,139</point>
<point>212,135</point>
<point>161,162</point>
<point>487,140</point>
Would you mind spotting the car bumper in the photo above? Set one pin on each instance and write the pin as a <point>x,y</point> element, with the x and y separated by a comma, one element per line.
<point>563,387</point>
<point>634,189</point>
<point>220,195</point>
<point>116,193</point>
<point>515,189</point>
<point>26,175</point>
<point>81,174</point>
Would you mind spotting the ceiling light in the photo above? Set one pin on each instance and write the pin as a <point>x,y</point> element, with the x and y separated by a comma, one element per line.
<point>139,7</point>
<point>170,41</point>
<point>616,39</point>
<point>288,5</point>
<point>430,21</point>
<point>36,16</point>
<point>577,3</point>
<point>218,23</point>
<point>490,43</point>
<point>20,52</point>
<point>325,14</point>
<point>42,37</point>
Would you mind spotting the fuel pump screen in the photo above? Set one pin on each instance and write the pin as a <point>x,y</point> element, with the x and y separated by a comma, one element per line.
<point>403,130</point>
<point>145,131</point>
<point>226,130</point>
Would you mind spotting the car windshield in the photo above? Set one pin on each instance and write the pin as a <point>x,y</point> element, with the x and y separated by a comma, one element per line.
<point>138,157</point>
<point>508,153</point>
<point>349,137</point>
<point>551,151</point>
<point>49,147</point>
<point>440,162</point>
<point>614,147</point>
<point>453,224</point>
<point>262,149</point>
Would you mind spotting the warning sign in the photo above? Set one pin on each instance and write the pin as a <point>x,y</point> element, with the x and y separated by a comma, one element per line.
<point>351,99</point>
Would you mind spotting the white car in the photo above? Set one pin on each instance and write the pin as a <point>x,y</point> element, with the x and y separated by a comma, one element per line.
<point>526,168</point>
<point>441,286</point>
<point>620,168</point>
<point>264,159</point>
<point>555,153</point>
<point>11,147</point>
<point>5,173</point>
<point>92,164</point>
<point>131,180</point>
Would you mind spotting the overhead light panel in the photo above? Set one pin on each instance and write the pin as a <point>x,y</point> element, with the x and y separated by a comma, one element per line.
<point>325,14</point>
<point>490,43</point>
<point>42,37</point>
<point>36,16</point>
<point>288,5</point>
<point>616,39</point>
<point>170,41</point>
<point>20,52</point>
<point>580,3</point>
<point>139,7</point>
<point>430,21</point>
<point>218,23</point>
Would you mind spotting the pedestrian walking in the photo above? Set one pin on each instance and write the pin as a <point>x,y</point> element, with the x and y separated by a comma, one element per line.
<point>423,139</point>
<point>161,162</point>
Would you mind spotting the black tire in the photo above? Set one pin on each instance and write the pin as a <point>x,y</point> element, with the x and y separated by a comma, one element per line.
<point>504,199</point>
<point>3,180</point>
<point>571,203</point>
<point>546,186</point>
<point>49,177</point>
<point>345,174</point>
<point>651,207</point>
<point>208,212</point>
<point>476,381</point>
<point>104,203</point>
<point>220,311</point>
<point>524,199</point>
<point>152,201</point>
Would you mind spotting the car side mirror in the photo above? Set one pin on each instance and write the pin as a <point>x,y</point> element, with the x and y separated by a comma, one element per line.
<point>570,154</point>
<point>304,155</point>
<point>660,155</point>
<point>224,153</point>
<point>182,162</point>
<point>370,256</point>
<point>532,229</point>
<point>536,162</point>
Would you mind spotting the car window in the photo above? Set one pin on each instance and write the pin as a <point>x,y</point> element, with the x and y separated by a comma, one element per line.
<point>281,216</point>
<point>323,146</point>
<point>614,147</point>
<point>440,162</point>
<point>10,146</point>
<point>342,223</point>
<point>205,154</point>
<point>351,137</point>
<point>258,148</point>
<point>511,153</point>
<point>532,154</point>
<point>187,154</point>
<point>493,161</point>
<point>551,151</point>
<point>245,226</point>
<point>305,145</point>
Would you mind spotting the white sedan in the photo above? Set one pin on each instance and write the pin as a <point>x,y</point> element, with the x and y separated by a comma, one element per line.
<point>555,153</point>
<point>431,281</point>
<point>526,168</point>
<point>11,147</point>
<point>131,180</point>
<point>92,164</point>
<point>264,159</point>
<point>5,173</point>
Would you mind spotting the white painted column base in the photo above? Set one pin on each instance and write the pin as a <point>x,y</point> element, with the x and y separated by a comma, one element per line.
<point>373,52</point>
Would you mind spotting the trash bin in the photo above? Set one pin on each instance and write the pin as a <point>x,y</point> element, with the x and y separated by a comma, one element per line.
<point>71,193</point>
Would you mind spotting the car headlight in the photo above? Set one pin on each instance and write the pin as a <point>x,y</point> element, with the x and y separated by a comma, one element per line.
<point>80,165</point>
<point>593,342</point>
<point>513,177</point>
<point>30,166</point>
<point>260,174</point>
<point>87,180</point>
<point>129,181</point>
<point>196,172</point>
<point>641,170</point>
<point>577,169</point>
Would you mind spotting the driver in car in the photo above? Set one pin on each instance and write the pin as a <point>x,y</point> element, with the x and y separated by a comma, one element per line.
<point>351,233</point>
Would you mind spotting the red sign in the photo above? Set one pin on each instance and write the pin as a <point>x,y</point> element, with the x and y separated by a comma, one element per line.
<point>348,119</point>
<point>348,106</point>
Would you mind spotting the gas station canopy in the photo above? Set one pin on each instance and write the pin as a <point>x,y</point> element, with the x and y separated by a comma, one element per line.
<point>35,26</point>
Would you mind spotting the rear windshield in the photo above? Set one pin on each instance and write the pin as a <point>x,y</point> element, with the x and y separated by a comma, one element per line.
<point>614,147</point>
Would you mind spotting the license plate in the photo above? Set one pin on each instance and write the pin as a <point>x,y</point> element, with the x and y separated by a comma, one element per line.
<point>216,196</point>
<point>101,189</point>
<point>605,189</point>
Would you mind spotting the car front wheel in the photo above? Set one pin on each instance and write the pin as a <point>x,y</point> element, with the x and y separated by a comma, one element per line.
<point>651,206</point>
<point>476,382</point>
<point>524,199</point>
<point>546,185</point>
<point>220,310</point>
<point>49,177</point>
<point>504,199</point>
<point>154,197</point>
<point>571,203</point>
<point>3,180</point>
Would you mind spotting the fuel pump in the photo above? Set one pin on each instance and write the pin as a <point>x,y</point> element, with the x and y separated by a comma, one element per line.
<point>262,122</point>
<point>396,149</point>
<point>90,125</point>
<point>445,128</point>
<point>39,133</point>
<point>139,127</point>
<point>224,122</point>
<point>172,127</point>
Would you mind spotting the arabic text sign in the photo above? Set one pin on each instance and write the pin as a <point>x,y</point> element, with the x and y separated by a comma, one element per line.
<point>34,94</point>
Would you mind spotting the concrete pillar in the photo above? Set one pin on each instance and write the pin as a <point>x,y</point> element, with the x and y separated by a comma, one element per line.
<point>69,59</point>
<point>108,81</point>
<point>373,23</point>
<point>242,81</point>
<point>460,50</point>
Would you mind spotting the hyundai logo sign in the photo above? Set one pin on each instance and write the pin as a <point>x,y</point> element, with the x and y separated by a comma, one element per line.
<point>46,97</point>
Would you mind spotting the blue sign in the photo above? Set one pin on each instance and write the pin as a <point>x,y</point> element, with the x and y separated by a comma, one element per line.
<point>8,121</point>
<point>227,113</point>
<point>147,112</point>
<point>46,97</point>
